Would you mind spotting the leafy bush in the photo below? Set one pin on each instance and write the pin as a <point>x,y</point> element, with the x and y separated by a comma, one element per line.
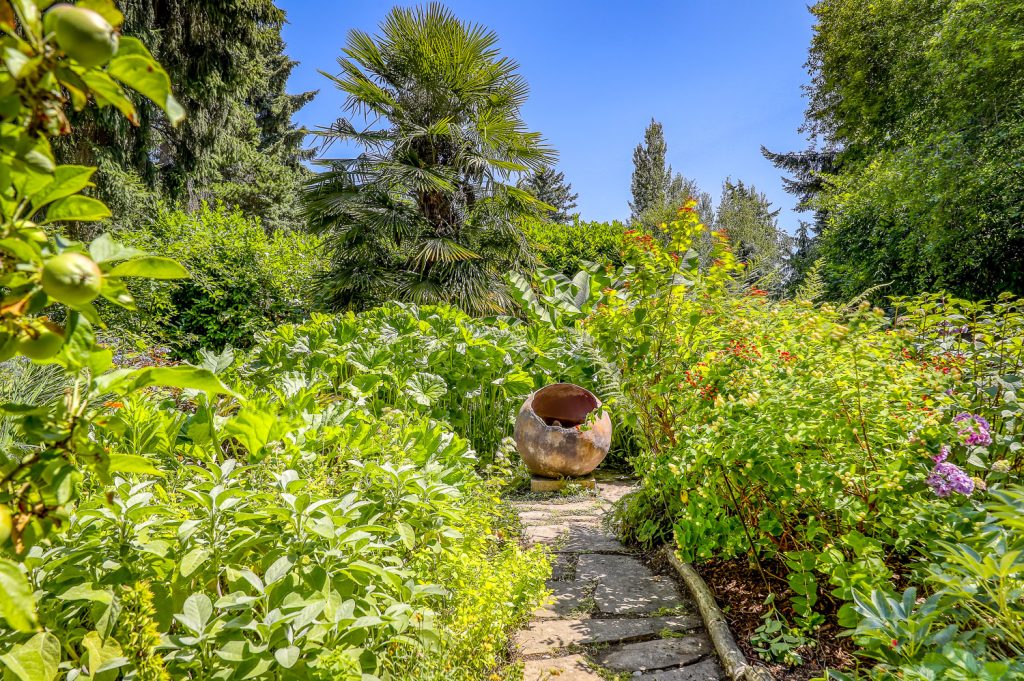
<point>807,437</point>
<point>243,280</point>
<point>299,528</point>
<point>568,248</point>
<point>436,361</point>
<point>970,625</point>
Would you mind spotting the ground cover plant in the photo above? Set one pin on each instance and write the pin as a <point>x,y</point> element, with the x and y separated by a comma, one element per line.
<point>848,451</point>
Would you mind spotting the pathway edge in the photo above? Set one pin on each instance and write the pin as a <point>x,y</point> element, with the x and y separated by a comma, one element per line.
<point>733,660</point>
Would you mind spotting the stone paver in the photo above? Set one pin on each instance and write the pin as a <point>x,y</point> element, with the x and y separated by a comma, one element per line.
<point>661,653</point>
<point>546,636</point>
<point>603,605</point>
<point>587,538</point>
<point>563,508</point>
<point>594,566</point>
<point>707,669</point>
<point>569,668</point>
<point>568,597</point>
<point>637,595</point>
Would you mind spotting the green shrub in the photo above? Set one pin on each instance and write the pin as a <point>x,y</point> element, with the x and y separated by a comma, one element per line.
<point>436,361</point>
<point>808,438</point>
<point>243,280</point>
<point>566,248</point>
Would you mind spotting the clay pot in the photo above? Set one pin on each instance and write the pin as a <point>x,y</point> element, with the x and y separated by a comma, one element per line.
<point>547,434</point>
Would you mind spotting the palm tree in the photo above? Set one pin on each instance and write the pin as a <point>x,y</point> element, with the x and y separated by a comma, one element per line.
<point>428,211</point>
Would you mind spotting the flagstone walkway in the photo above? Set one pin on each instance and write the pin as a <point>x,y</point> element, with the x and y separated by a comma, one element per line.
<point>611,616</point>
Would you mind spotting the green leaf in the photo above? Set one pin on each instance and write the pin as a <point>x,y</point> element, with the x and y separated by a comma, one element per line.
<point>22,250</point>
<point>193,560</point>
<point>407,534</point>
<point>101,651</point>
<point>425,388</point>
<point>287,657</point>
<point>106,92</point>
<point>78,208</point>
<point>67,180</point>
<point>143,74</point>
<point>106,9</point>
<point>196,612</point>
<point>184,377</point>
<point>105,249</point>
<point>151,267</point>
<point>132,463</point>
<point>254,428</point>
<point>17,604</point>
<point>35,660</point>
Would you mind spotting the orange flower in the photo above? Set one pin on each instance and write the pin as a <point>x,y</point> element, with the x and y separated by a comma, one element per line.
<point>113,405</point>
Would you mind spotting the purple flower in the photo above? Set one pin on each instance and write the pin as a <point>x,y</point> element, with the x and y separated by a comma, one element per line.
<point>974,429</point>
<point>947,478</point>
<point>942,455</point>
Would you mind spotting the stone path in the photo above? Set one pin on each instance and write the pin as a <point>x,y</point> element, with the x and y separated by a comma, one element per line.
<point>610,616</point>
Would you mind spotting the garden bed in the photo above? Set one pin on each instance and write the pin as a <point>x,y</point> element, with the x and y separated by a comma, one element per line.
<point>741,595</point>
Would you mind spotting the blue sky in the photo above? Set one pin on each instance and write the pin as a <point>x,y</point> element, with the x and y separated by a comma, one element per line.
<point>723,77</point>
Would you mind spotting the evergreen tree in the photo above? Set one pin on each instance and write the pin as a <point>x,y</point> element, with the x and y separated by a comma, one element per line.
<point>751,224</point>
<point>549,186</point>
<point>227,63</point>
<point>808,171</point>
<point>651,177</point>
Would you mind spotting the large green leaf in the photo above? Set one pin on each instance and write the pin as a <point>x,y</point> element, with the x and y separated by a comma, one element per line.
<point>185,377</point>
<point>151,267</point>
<point>35,660</point>
<point>425,389</point>
<point>107,92</point>
<point>67,180</point>
<point>132,463</point>
<point>77,208</point>
<point>105,249</point>
<point>142,73</point>
<point>254,428</point>
<point>17,605</point>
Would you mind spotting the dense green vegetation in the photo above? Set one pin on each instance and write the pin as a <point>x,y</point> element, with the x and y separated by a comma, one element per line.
<point>919,105</point>
<point>243,280</point>
<point>255,418</point>
<point>323,520</point>
<point>843,450</point>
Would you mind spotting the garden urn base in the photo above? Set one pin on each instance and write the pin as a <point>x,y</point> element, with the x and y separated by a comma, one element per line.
<point>538,483</point>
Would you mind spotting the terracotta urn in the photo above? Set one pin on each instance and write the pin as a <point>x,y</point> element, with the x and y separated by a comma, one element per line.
<point>551,434</point>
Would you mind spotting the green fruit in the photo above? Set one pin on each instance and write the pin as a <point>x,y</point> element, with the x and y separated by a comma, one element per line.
<point>72,278</point>
<point>82,34</point>
<point>40,340</point>
<point>6,524</point>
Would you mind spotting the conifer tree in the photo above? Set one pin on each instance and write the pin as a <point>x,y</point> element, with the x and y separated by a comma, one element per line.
<point>651,177</point>
<point>550,186</point>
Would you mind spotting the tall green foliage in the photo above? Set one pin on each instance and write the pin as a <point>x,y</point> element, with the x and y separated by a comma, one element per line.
<point>651,176</point>
<point>427,212</point>
<point>567,248</point>
<point>244,280</point>
<point>238,144</point>
<point>747,217</point>
<point>549,185</point>
<point>925,100</point>
<point>70,54</point>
